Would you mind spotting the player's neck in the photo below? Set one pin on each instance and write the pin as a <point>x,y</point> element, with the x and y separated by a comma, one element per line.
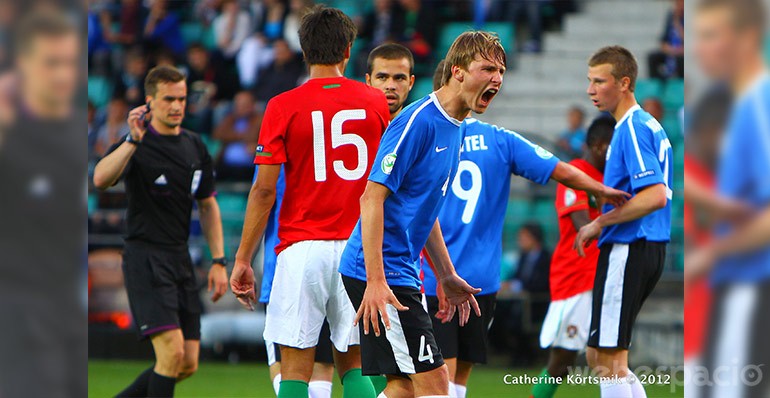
<point>747,74</point>
<point>163,129</point>
<point>450,98</point>
<point>327,71</point>
<point>627,102</point>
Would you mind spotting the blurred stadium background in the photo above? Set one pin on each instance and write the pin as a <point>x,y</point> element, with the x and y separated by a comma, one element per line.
<point>548,42</point>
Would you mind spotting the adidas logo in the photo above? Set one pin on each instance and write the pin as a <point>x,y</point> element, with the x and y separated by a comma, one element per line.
<point>161,180</point>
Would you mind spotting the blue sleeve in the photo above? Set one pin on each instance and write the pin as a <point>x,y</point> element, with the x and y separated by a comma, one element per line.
<point>640,157</point>
<point>754,146</point>
<point>528,160</point>
<point>400,147</point>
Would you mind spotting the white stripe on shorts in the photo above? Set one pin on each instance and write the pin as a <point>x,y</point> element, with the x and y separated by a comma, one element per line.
<point>738,308</point>
<point>397,341</point>
<point>612,300</point>
<point>270,347</point>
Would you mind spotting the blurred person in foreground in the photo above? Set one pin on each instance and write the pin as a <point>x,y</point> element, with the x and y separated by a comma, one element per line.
<point>165,169</point>
<point>43,169</point>
<point>730,39</point>
<point>633,237</point>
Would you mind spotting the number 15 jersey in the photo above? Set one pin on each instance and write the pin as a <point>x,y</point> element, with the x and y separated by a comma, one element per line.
<point>325,133</point>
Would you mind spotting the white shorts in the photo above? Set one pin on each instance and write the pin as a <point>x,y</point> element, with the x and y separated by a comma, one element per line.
<point>306,289</point>
<point>567,323</point>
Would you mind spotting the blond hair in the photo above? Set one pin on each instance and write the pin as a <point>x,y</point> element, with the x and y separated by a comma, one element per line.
<point>470,44</point>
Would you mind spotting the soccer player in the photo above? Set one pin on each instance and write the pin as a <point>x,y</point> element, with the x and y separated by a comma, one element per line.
<point>632,245</point>
<point>417,158</point>
<point>164,172</point>
<point>472,224</point>
<point>390,68</point>
<point>566,325</point>
<point>325,133</point>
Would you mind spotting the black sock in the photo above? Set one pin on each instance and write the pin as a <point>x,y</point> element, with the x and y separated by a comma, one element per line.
<point>161,386</point>
<point>139,387</point>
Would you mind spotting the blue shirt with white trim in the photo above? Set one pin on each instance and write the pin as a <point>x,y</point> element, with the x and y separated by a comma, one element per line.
<point>472,216</point>
<point>743,175</point>
<point>270,259</point>
<point>639,156</point>
<point>417,159</point>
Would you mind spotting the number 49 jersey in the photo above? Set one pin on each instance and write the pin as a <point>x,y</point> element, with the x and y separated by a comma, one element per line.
<point>639,156</point>
<point>325,133</point>
<point>472,217</point>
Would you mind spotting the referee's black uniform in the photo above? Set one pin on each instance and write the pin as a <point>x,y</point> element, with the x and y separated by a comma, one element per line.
<point>163,178</point>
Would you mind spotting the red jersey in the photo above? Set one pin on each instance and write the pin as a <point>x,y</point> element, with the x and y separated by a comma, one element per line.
<point>326,133</point>
<point>570,273</point>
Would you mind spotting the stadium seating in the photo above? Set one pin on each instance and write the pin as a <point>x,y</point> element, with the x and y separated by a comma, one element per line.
<point>673,94</point>
<point>451,30</point>
<point>192,32</point>
<point>99,90</point>
<point>647,88</point>
<point>422,87</point>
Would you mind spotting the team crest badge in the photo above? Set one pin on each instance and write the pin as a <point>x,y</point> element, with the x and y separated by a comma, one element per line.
<point>571,331</point>
<point>388,162</point>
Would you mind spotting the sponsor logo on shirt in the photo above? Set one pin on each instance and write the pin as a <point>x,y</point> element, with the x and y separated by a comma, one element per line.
<point>388,162</point>
<point>644,174</point>
<point>261,151</point>
<point>161,180</point>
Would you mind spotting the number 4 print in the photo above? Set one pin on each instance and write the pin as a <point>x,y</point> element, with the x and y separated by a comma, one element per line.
<point>426,354</point>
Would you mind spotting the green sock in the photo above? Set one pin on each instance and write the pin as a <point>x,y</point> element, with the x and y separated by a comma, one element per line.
<point>544,390</point>
<point>355,385</point>
<point>379,383</point>
<point>293,389</point>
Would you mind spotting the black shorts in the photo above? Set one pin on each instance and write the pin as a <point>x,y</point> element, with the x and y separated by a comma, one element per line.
<point>626,274</point>
<point>408,347</point>
<point>323,351</point>
<point>467,343</point>
<point>162,290</point>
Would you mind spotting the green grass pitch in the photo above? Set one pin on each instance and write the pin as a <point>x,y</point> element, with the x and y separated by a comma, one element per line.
<point>250,379</point>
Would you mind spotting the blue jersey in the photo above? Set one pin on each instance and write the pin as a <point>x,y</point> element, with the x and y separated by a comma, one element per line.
<point>271,239</point>
<point>417,159</point>
<point>743,175</point>
<point>473,214</point>
<point>639,155</point>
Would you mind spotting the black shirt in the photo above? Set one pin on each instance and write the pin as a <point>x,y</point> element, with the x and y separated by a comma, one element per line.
<point>163,178</point>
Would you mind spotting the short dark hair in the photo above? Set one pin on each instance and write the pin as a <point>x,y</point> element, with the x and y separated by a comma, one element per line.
<point>441,75</point>
<point>325,34</point>
<point>37,24</point>
<point>622,61</point>
<point>601,130</point>
<point>534,229</point>
<point>390,51</point>
<point>161,74</point>
<point>745,13</point>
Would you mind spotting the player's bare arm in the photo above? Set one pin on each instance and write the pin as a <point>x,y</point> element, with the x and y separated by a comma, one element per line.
<point>579,219</point>
<point>646,201</point>
<point>377,294</point>
<point>108,170</point>
<point>574,178</point>
<point>261,200</point>
<point>211,223</point>
<point>715,205</point>
<point>457,291</point>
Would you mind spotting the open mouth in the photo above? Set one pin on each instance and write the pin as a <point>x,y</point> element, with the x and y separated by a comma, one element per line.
<point>486,98</point>
<point>392,98</point>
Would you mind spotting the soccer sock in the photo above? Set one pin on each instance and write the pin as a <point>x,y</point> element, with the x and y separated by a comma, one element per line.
<point>293,389</point>
<point>451,390</point>
<point>544,390</point>
<point>460,390</point>
<point>379,383</point>
<point>615,389</point>
<point>139,387</point>
<point>382,395</point>
<point>320,389</point>
<point>161,386</point>
<point>277,384</point>
<point>355,385</point>
<point>637,388</point>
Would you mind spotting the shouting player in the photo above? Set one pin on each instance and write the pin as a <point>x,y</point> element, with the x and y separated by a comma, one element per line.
<point>415,163</point>
<point>632,246</point>
<point>325,133</point>
<point>565,328</point>
<point>390,68</point>
<point>472,224</point>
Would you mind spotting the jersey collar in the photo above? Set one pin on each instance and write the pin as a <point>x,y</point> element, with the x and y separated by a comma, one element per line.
<point>629,112</point>
<point>443,112</point>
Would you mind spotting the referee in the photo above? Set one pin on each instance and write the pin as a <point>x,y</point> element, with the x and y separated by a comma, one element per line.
<point>165,168</point>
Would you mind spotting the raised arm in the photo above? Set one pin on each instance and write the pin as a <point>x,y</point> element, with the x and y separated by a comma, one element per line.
<point>108,171</point>
<point>574,178</point>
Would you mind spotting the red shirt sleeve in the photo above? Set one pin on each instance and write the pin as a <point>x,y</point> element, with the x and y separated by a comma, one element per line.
<point>570,200</point>
<point>271,147</point>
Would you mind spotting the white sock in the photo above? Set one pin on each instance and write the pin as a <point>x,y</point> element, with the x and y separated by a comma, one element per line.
<point>460,391</point>
<point>637,388</point>
<point>382,395</point>
<point>615,389</point>
<point>319,389</point>
<point>277,384</point>
<point>452,393</point>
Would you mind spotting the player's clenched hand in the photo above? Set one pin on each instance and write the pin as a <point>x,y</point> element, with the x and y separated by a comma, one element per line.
<point>459,294</point>
<point>242,284</point>
<point>613,196</point>
<point>585,236</point>
<point>217,281</point>
<point>377,297</point>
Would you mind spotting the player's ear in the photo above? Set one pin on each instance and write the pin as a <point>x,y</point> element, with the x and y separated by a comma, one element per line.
<point>411,82</point>
<point>457,73</point>
<point>625,83</point>
<point>368,78</point>
<point>347,51</point>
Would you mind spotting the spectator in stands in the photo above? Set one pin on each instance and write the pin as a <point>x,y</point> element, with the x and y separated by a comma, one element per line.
<point>114,128</point>
<point>417,29</point>
<point>283,74</point>
<point>99,38</point>
<point>668,61</point>
<point>210,88</point>
<point>654,107</point>
<point>516,10</point>
<point>231,27</point>
<point>256,51</point>
<point>130,23</point>
<point>238,133</point>
<point>162,30</point>
<point>129,83</point>
<point>572,139</point>
<point>297,9</point>
<point>378,25</point>
<point>534,262</point>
